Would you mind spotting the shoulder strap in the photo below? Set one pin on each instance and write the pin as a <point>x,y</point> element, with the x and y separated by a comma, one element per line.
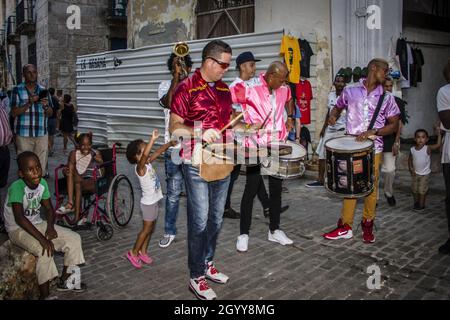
<point>377,112</point>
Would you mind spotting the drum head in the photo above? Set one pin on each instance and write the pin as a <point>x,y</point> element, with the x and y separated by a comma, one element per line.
<point>348,144</point>
<point>298,151</point>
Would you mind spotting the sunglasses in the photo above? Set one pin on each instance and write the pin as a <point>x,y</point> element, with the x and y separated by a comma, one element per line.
<point>223,65</point>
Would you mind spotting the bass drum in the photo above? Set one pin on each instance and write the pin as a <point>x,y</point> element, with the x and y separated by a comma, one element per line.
<point>350,167</point>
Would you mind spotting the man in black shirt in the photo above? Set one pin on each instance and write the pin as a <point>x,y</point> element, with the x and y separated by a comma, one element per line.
<point>54,104</point>
<point>391,148</point>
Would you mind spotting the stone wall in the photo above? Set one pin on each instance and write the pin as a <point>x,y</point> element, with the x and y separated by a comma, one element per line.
<point>160,21</point>
<point>64,45</point>
<point>309,20</point>
<point>17,273</point>
<point>42,52</point>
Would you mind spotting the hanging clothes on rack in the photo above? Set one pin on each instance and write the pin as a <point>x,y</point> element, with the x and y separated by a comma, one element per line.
<point>290,50</point>
<point>306,54</point>
<point>420,62</point>
<point>304,95</point>
<point>406,84</point>
<point>402,52</point>
<point>413,69</point>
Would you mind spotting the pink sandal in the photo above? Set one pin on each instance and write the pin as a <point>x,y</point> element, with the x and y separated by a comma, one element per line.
<point>134,260</point>
<point>145,258</point>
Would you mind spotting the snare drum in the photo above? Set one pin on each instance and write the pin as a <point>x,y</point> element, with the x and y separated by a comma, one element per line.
<point>288,166</point>
<point>350,167</point>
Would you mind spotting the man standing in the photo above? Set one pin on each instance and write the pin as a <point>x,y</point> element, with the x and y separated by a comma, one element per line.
<point>246,64</point>
<point>391,148</point>
<point>5,139</point>
<point>443,105</point>
<point>174,174</point>
<point>205,98</point>
<point>52,120</point>
<point>329,132</point>
<point>361,102</point>
<point>32,112</point>
<point>265,99</point>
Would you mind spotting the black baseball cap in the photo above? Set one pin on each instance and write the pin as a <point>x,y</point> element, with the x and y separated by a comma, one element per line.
<point>245,57</point>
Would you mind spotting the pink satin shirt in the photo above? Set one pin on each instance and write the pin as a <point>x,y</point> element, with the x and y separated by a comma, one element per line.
<point>257,103</point>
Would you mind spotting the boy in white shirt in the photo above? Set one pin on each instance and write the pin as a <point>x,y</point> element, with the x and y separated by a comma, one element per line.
<point>419,164</point>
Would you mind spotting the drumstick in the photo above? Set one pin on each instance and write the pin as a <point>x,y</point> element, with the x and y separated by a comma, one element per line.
<point>265,120</point>
<point>231,123</point>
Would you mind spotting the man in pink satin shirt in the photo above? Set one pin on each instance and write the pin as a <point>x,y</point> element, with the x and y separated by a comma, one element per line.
<point>361,101</point>
<point>264,97</point>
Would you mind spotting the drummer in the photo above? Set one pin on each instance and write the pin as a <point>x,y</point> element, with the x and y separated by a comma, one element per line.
<point>258,98</point>
<point>246,64</point>
<point>329,132</point>
<point>360,101</point>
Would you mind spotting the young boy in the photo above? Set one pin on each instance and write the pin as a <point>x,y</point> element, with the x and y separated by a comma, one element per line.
<point>41,238</point>
<point>419,164</point>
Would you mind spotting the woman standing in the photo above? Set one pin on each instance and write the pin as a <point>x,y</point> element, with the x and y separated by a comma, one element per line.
<point>68,115</point>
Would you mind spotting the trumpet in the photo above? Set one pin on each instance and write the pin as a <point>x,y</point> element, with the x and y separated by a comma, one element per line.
<point>181,49</point>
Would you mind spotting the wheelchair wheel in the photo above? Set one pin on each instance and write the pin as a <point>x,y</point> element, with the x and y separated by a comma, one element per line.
<point>104,231</point>
<point>120,201</point>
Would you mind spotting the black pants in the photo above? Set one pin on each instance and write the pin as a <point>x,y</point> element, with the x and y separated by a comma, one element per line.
<point>446,170</point>
<point>4,166</point>
<point>4,170</point>
<point>253,184</point>
<point>262,193</point>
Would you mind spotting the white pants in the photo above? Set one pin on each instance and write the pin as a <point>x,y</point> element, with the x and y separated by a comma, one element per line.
<point>329,134</point>
<point>67,241</point>
<point>388,171</point>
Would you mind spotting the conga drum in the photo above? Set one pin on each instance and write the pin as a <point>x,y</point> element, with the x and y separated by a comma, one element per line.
<point>350,167</point>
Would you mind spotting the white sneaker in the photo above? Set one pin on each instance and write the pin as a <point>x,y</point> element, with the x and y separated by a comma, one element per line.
<point>242,243</point>
<point>166,240</point>
<point>201,289</point>
<point>280,237</point>
<point>214,275</point>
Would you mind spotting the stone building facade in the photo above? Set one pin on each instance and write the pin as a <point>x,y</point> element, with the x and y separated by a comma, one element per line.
<point>51,37</point>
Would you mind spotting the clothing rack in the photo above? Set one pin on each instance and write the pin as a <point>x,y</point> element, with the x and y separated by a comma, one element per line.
<point>428,44</point>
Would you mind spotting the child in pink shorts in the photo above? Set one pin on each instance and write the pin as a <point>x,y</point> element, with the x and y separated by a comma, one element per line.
<point>138,152</point>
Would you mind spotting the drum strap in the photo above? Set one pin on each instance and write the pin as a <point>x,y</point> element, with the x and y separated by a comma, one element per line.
<point>377,112</point>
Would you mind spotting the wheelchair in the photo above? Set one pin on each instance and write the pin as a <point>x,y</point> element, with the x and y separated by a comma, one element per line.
<point>112,202</point>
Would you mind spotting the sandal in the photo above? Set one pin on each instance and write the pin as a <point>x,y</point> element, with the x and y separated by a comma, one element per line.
<point>65,209</point>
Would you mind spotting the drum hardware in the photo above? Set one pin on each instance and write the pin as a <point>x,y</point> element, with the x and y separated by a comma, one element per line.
<point>352,188</point>
<point>287,166</point>
<point>349,167</point>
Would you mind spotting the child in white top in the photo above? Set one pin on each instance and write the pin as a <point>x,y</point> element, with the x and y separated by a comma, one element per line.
<point>138,152</point>
<point>419,164</point>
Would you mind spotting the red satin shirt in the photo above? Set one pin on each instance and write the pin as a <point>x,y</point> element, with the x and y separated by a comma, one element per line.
<point>197,100</point>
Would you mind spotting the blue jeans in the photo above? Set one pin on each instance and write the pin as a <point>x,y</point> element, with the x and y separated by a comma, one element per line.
<point>174,180</point>
<point>205,205</point>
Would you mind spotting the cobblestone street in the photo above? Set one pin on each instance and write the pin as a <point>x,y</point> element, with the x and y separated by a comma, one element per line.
<point>312,268</point>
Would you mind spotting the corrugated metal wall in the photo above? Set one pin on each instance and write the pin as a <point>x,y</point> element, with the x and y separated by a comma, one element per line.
<point>117,91</point>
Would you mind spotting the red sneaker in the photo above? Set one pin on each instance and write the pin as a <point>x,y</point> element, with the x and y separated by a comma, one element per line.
<point>367,228</point>
<point>341,232</point>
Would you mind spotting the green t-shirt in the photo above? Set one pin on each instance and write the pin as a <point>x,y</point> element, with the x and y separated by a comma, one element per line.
<point>31,199</point>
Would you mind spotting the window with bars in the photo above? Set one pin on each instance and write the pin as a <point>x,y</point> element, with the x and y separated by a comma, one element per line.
<point>221,18</point>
